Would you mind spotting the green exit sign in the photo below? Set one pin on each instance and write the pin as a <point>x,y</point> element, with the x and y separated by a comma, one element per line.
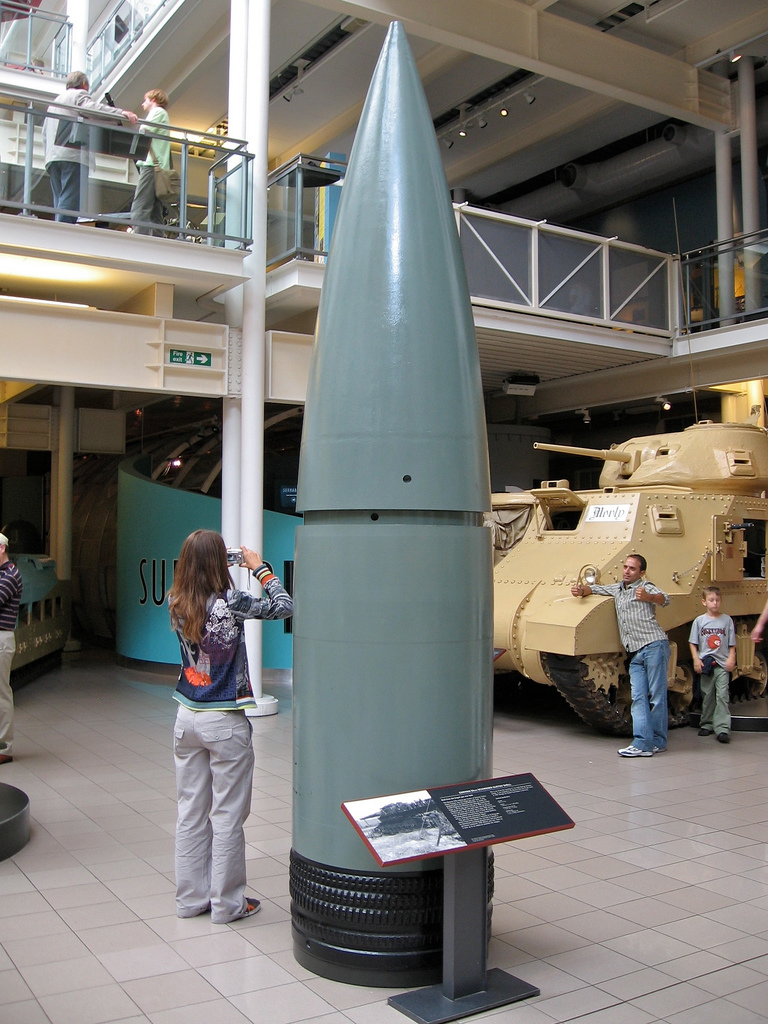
<point>183,355</point>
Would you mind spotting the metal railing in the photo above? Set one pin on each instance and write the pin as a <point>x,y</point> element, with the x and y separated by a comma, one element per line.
<point>214,205</point>
<point>539,268</point>
<point>122,29</point>
<point>726,283</point>
<point>511,263</point>
<point>34,40</point>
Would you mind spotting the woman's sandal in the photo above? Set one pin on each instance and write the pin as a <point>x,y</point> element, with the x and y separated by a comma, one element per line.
<point>252,906</point>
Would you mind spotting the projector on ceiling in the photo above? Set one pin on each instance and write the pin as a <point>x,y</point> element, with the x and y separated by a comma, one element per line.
<point>520,384</point>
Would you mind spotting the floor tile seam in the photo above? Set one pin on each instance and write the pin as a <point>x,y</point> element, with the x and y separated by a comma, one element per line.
<point>41,1001</point>
<point>694,978</point>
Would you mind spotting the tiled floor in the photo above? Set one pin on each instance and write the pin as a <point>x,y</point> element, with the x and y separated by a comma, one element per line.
<point>654,908</point>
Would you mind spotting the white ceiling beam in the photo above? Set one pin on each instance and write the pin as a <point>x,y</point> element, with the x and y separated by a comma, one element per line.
<point>729,37</point>
<point>728,355</point>
<point>515,34</point>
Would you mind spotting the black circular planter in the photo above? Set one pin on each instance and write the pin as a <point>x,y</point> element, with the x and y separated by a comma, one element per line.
<point>14,820</point>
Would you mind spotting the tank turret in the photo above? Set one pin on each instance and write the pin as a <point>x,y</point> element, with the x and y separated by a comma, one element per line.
<point>691,503</point>
<point>727,457</point>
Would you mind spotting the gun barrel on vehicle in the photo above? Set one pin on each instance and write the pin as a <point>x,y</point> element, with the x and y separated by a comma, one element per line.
<point>606,454</point>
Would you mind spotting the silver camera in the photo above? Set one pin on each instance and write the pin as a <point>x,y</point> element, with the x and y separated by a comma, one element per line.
<point>234,556</point>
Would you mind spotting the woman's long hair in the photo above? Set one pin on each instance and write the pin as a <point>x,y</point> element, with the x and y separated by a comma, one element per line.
<point>200,571</point>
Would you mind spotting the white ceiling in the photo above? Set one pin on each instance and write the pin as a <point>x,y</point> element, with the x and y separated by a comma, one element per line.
<point>662,58</point>
<point>190,60</point>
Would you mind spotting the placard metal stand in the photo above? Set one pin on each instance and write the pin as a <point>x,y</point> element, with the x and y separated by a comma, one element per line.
<point>467,986</point>
<point>458,823</point>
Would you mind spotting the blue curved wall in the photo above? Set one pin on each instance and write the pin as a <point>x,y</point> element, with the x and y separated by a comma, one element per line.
<point>152,523</point>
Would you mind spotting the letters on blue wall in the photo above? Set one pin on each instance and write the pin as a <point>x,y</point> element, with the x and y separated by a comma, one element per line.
<point>152,522</point>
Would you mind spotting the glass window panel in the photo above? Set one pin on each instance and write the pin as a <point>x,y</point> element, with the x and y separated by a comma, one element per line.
<point>638,283</point>
<point>497,257</point>
<point>569,275</point>
<point>281,217</point>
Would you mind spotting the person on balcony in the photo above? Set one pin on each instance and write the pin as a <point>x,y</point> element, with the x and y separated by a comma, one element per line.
<point>67,153</point>
<point>146,208</point>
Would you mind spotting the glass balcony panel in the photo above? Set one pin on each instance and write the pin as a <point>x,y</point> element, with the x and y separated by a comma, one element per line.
<point>321,191</point>
<point>638,288</point>
<point>214,204</point>
<point>32,39</point>
<point>124,26</point>
<point>570,274</point>
<point>497,257</point>
<point>281,217</point>
<point>726,283</point>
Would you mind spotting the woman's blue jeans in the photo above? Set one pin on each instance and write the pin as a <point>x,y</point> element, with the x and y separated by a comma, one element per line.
<point>648,682</point>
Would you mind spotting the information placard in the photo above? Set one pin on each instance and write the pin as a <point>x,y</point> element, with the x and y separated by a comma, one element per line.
<point>434,822</point>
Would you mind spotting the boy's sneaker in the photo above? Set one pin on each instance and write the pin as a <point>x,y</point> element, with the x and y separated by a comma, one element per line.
<point>724,737</point>
<point>705,732</point>
<point>659,750</point>
<point>632,751</point>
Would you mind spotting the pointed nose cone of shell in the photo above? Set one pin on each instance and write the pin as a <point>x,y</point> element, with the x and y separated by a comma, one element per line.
<point>394,415</point>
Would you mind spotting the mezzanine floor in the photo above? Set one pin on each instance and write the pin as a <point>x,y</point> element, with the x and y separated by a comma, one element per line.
<point>653,908</point>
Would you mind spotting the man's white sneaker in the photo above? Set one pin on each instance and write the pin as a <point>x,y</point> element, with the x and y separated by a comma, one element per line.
<point>634,752</point>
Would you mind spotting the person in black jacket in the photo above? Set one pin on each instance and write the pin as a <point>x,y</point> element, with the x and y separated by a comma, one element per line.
<point>10,596</point>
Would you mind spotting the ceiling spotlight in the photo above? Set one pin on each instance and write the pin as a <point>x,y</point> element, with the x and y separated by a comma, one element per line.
<point>481,122</point>
<point>503,112</point>
<point>584,413</point>
<point>463,108</point>
<point>735,56</point>
<point>529,97</point>
<point>447,141</point>
<point>301,64</point>
<point>665,403</point>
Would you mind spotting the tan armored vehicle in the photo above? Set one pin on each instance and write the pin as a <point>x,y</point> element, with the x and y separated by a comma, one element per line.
<point>692,503</point>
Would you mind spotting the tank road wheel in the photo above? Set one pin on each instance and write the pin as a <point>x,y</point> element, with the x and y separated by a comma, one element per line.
<point>757,686</point>
<point>753,686</point>
<point>597,688</point>
<point>679,697</point>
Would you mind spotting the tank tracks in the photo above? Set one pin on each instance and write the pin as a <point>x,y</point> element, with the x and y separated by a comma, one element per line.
<point>582,691</point>
<point>597,688</point>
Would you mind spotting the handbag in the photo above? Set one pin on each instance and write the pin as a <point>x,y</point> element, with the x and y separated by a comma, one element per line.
<point>167,184</point>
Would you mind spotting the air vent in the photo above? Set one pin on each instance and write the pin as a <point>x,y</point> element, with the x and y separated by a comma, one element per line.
<point>623,14</point>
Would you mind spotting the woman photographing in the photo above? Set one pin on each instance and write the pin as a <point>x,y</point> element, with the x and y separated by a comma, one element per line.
<point>212,736</point>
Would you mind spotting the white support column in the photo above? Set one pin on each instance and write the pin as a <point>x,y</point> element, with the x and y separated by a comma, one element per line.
<point>231,444</point>
<point>64,465</point>
<point>750,177</point>
<point>254,300</point>
<point>53,514</point>
<point>724,185</point>
<point>230,473</point>
<point>78,12</point>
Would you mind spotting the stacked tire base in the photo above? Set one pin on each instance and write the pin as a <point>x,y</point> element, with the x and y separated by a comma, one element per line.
<point>378,929</point>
